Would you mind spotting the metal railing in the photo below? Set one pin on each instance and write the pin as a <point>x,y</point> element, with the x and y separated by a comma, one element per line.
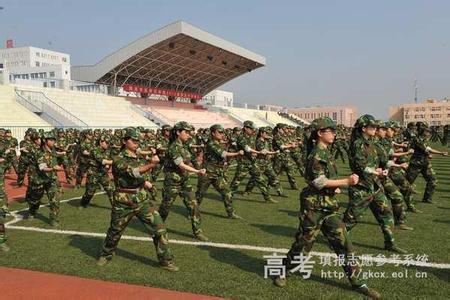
<point>49,105</point>
<point>37,108</point>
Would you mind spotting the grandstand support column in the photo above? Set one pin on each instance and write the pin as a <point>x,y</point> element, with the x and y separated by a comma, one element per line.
<point>4,77</point>
<point>65,84</point>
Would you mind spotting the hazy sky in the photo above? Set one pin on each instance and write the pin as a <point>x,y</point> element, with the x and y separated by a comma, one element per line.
<point>365,53</point>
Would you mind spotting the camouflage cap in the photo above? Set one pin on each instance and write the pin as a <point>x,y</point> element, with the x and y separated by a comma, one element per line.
<point>381,124</point>
<point>49,135</point>
<point>236,129</point>
<point>422,127</point>
<point>8,131</point>
<point>366,120</point>
<point>166,127</point>
<point>392,124</point>
<point>104,138</point>
<point>323,123</point>
<point>249,124</point>
<point>131,133</point>
<point>182,126</point>
<point>217,127</point>
<point>266,129</point>
<point>34,136</point>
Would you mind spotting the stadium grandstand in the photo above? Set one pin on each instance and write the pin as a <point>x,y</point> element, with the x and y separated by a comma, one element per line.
<point>158,79</point>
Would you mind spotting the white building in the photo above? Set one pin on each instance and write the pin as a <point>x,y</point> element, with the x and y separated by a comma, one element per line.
<point>44,67</point>
<point>220,98</point>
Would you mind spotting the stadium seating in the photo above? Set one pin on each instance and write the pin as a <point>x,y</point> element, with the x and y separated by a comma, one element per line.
<point>16,117</point>
<point>259,117</point>
<point>197,117</point>
<point>94,109</point>
<point>273,118</point>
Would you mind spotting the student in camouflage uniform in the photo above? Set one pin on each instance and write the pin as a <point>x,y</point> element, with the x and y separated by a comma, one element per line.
<point>24,159</point>
<point>176,178</point>
<point>162,143</point>
<point>215,163</point>
<point>43,179</point>
<point>369,192</point>
<point>97,172</point>
<point>263,145</point>
<point>421,163</point>
<point>296,152</point>
<point>4,150</point>
<point>11,158</point>
<point>386,161</point>
<point>283,161</point>
<point>248,165</point>
<point>62,145</point>
<point>319,207</point>
<point>84,148</point>
<point>131,199</point>
<point>397,172</point>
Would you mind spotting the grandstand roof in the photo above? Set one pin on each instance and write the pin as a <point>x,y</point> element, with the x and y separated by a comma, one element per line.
<point>178,57</point>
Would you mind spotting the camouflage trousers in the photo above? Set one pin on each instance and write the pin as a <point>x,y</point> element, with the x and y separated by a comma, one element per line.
<point>393,193</point>
<point>11,161</point>
<point>312,222</point>
<point>3,206</point>
<point>398,176</point>
<point>124,208</point>
<point>177,185</point>
<point>360,200</point>
<point>81,171</point>
<point>65,163</point>
<point>297,157</point>
<point>256,177</point>
<point>219,182</point>
<point>34,195</point>
<point>94,180</point>
<point>22,167</point>
<point>156,171</point>
<point>267,170</point>
<point>428,174</point>
<point>285,164</point>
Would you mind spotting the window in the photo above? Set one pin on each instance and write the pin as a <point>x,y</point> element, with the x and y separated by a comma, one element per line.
<point>64,59</point>
<point>66,72</point>
<point>37,64</point>
<point>44,84</point>
<point>52,74</point>
<point>52,84</point>
<point>335,116</point>
<point>38,54</point>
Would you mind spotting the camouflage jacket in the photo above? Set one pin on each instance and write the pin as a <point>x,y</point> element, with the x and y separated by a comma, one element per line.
<point>260,145</point>
<point>86,145</point>
<point>175,154</point>
<point>364,161</point>
<point>98,154</point>
<point>215,159</point>
<point>319,168</point>
<point>246,142</point>
<point>44,158</point>
<point>421,148</point>
<point>125,169</point>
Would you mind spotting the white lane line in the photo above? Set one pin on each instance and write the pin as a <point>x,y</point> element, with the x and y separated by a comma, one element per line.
<point>236,246</point>
<point>19,217</point>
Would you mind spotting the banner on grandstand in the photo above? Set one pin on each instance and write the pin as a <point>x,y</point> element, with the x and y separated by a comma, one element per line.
<point>159,91</point>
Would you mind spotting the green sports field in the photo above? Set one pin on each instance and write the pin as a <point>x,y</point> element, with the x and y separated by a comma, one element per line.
<point>230,272</point>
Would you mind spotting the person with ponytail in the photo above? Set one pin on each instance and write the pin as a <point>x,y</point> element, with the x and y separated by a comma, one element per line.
<point>319,208</point>
<point>369,192</point>
<point>177,167</point>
